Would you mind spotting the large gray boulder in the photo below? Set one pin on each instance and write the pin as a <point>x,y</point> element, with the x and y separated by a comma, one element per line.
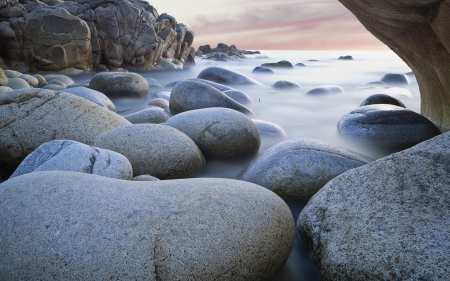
<point>67,155</point>
<point>32,117</point>
<point>386,126</point>
<point>189,95</point>
<point>219,132</point>
<point>120,84</point>
<point>158,150</point>
<point>396,79</point>
<point>91,95</point>
<point>86,227</point>
<point>387,220</point>
<point>238,96</point>
<point>226,77</point>
<point>32,81</point>
<point>298,168</point>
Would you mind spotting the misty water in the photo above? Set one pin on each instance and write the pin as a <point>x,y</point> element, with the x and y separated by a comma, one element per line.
<point>299,114</point>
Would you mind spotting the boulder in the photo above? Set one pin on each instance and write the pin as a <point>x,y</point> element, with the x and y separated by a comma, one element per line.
<point>286,85</point>
<point>17,83</point>
<point>382,99</point>
<point>12,73</point>
<point>387,126</point>
<point>324,90</point>
<point>91,95</point>
<point>220,133</point>
<point>396,79</point>
<point>262,70</point>
<point>119,84</point>
<point>238,96</point>
<point>298,168</point>
<point>158,150</point>
<point>147,114</point>
<point>226,77</point>
<point>32,81</point>
<point>190,95</point>
<point>32,117</point>
<point>145,178</point>
<point>205,49</point>
<point>280,64</point>
<point>40,78</point>
<point>387,220</point>
<point>218,86</point>
<point>3,78</point>
<point>57,83</point>
<point>91,227</point>
<point>67,155</point>
<point>4,89</point>
<point>300,64</point>
<point>54,87</point>
<point>161,103</point>
<point>345,58</point>
<point>59,77</point>
<point>269,129</point>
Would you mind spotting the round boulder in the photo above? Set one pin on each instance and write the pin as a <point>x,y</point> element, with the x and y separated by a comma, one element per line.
<point>63,78</point>
<point>145,178</point>
<point>189,95</point>
<point>32,81</point>
<point>148,114</point>
<point>92,227</point>
<point>161,103</point>
<point>396,79</point>
<point>12,73</point>
<point>225,76</point>
<point>387,126</point>
<point>40,78</point>
<point>4,89</point>
<point>238,96</point>
<point>298,168</point>
<point>119,84</point>
<point>269,129</point>
<point>220,133</point>
<point>262,70</point>
<point>67,155</point>
<point>56,82</point>
<point>285,85</point>
<point>32,117</point>
<point>280,64</point>
<point>324,90</point>
<point>382,99</point>
<point>162,94</point>
<point>17,83</point>
<point>158,150</point>
<point>91,95</point>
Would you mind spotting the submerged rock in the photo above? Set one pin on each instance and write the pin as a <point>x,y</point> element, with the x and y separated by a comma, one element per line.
<point>238,96</point>
<point>147,114</point>
<point>269,129</point>
<point>63,78</point>
<point>345,58</point>
<point>322,90</point>
<point>286,85</point>
<point>264,70</point>
<point>280,64</point>
<point>225,76</point>
<point>396,79</point>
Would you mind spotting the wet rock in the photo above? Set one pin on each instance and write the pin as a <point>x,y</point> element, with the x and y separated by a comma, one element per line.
<point>382,99</point>
<point>32,117</point>
<point>67,155</point>
<point>260,57</point>
<point>377,84</point>
<point>280,64</point>
<point>158,150</point>
<point>387,126</point>
<point>17,83</point>
<point>143,230</point>
<point>166,65</point>
<point>298,168</point>
<point>220,133</point>
<point>145,178</point>
<point>226,77</point>
<point>4,89</point>
<point>252,52</point>
<point>155,88</point>
<point>91,95</point>
<point>396,79</point>
<point>63,78</point>
<point>218,86</point>
<point>324,90</point>
<point>285,85</point>
<point>205,49</point>
<point>148,114</point>
<point>238,96</point>
<point>269,129</point>
<point>386,220</point>
<point>119,84</point>
<point>190,95</point>
<point>40,78</point>
<point>260,69</point>
<point>32,81</point>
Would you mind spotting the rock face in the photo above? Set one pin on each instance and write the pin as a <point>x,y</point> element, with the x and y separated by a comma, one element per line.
<point>31,117</point>
<point>387,126</point>
<point>201,229</point>
<point>158,150</point>
<point>298,168</point>
<point>418,32</point>
<point>225,76</point>
<point>83,34</point>
<point>119,84</point>
<point>67,155</point>
<point>219,132</point>
<point>387,220</point>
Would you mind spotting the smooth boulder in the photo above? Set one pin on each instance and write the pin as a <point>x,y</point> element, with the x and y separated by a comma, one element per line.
<point>238,96</point>
<point>262,70</point>
<point>4,89</point>
<point>120,84</point>
<point>387,220</point>
<point>269,129</point>
<point>32,117</point>
<point>226,77</point>
<point>189,95</point>
<point>62,78</point>
<point>325,90</point>
<point>147,114</point>
<point>158,150</point>
<point>17,84</point>
<point>91,95</point>
<point>67,155</point>
<point>396,79</point>
<point>285,85</point>
<point>86,227</point>
<point>386,126</point>
<point>220,133</point>
<point>298,168</point>
<point>32,81</point>
<point>382,99</point>
<point>280,64</point>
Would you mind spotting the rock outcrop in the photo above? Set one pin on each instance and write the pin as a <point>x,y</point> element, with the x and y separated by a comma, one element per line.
<point>418,31</point>
<point>102,34</point>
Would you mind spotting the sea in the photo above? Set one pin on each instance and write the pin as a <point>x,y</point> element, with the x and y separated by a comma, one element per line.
<point>299,114</point>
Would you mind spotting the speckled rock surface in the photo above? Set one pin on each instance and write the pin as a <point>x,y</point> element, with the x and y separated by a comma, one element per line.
<point>322,90</point>
<point>91,95</point>
<point>54,87</point>
<point>226,77</point>
<point>189,95</point>
<point>45,115</point>
<point>269,129</point>
<point>67,155</point>
<point>32,81</point>
<point>382,99</point>
<point>238,96</point>
<point>396,79</point>
<point>17,83</point>
<point>298,168</point>
<point>387,220</point>
<point>12,73</point>
<point>386,126</point>
<point>147,114</point>
<point>158,150</point>
<point>285,85</point>
<point>219,132</point>
<point>161,103</point>
<point>63,78</point>
<point>196,229</point>
<point>4,89</point>
<point>119,84</point>
<point>145,178</point>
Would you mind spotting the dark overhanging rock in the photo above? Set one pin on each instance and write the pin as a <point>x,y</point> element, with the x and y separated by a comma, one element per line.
<point>417,31</point>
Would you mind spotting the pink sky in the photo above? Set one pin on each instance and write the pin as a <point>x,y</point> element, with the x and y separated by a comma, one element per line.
<point>272,25</point>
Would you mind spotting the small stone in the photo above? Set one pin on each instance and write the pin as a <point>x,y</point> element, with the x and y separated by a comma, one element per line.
<point>269,129</point>
<point>17,83</point>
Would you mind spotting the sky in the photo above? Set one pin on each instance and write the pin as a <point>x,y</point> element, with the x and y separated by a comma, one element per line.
<point>271,25</point>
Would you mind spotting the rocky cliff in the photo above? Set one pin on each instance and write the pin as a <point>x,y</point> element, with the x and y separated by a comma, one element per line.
<point>51,35</point>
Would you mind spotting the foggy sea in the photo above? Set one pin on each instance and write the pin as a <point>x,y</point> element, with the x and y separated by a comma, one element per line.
<point>299,114</point>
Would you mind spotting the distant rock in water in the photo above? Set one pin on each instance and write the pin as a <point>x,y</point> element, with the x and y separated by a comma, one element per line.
<point>313,60</point>
<point>382,99</point>
<point>104,34</point>
<point>222,48</point>
<point>345,58</point>
<point>321,90</point>
<point>280,64</point>
<point>252,52</point>
<point>225,76</point>
<point>300,64</point>
<point>264,70</point>
<point>286,85</point>
<point>396,79</point>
